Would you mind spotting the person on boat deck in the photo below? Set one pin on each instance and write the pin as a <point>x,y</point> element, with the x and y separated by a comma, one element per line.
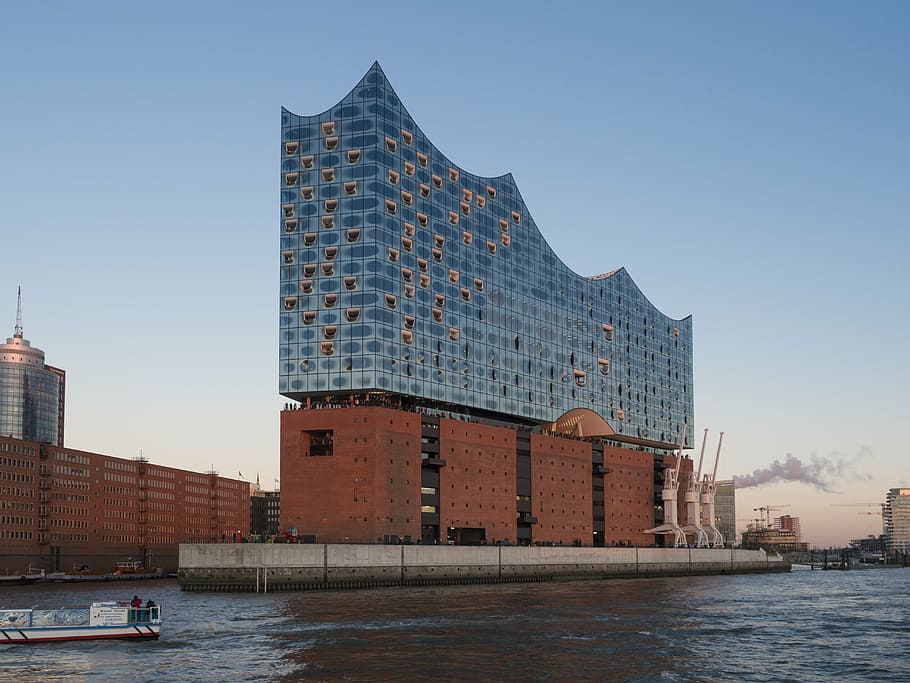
<point>147,612</point>
<point>136,604</point>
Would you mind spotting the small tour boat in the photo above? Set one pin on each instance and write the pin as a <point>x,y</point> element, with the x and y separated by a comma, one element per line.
<point>101,620</point>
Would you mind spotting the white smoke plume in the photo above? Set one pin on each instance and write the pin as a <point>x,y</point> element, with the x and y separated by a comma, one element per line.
<point>822,473</point>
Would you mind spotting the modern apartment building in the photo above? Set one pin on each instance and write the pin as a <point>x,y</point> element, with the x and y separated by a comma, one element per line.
<point>897,520</point>
<point>452,378</point>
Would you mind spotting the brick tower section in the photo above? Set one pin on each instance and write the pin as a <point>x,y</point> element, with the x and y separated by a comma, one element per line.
<point>561,489</point>
<point>628,496</point>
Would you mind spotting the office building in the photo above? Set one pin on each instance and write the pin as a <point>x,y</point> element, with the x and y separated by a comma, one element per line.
<point>62,509</point>
<point>454,379</point>
<point>32,393</point>
<point>725,511</point>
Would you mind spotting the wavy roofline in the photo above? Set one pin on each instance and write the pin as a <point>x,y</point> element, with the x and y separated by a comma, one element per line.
<point>377,67</point>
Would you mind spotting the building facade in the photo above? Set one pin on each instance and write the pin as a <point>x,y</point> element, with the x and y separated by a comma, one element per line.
<point>725,511</point>
<point>412,285</point>
<point>61,508</point>
<point>32,393</point>
<point>897,520</point>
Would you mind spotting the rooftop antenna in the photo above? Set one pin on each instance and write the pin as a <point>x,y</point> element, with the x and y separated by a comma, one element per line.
<point>18,331</point>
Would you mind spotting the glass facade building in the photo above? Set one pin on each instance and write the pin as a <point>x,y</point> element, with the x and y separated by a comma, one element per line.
<point>403,275</point>
<point>31,393</point>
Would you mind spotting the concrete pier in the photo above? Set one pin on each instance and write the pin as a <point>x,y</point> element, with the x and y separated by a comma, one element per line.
<point>266,567</point>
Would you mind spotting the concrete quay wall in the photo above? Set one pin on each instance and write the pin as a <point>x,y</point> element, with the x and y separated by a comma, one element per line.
<point>270,567</point>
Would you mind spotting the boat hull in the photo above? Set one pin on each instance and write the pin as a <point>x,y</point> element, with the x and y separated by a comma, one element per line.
<point>63,633</point>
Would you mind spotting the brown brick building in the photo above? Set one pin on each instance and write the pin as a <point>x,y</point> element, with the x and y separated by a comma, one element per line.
<point>379,474</point>
<point>61,508</point>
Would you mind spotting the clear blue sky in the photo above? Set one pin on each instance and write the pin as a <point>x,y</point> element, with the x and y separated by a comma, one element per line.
<point>748,164</point>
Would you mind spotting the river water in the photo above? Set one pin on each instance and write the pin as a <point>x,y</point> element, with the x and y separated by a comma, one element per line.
<point>800,626</point>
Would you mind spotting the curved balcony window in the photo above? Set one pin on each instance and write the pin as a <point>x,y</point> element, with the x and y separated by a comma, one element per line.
<point>331,205</point>
<point>407,136</point>
<point>437,314</point>
<point>437,181</point>
<point>516,217</point>
<point>290,303</point>
<point>422,219</point>
<point>328,222</point>
<point>603,364</point>
<point>306,286</point>
<point>608,331</point>
<point>406,243</point>
<point>353,156</point>
<point>491,247</point>
<point>409,168</point>
<point>291,147</point>
<point>290,179</point>
<point>394,177</point>
<point>481,202</point>
<point>439,241</point>
<point>352,314</point>
<point>422,265</point>
<point>454,275</point>
<point>453,334</point>
<point>288,210</point>
<point>391,206</point>
<point>329,331</point>
<point>422,159</point>
<point>467,237</point>
<point>331,143</point>
<point>350,282</point>
<point>478,284</point>
<point>504,225</point>
<point>309,239</point>
<point>353,235</point>
<point>291,225</point>
<point>453,218</point>
<point>409,291</point>
<point>407,274</point>
<point>465,293</point>
<point>391,301</point>
<point>581,377</point>
<point>409,322</point>
<point>309,270</point>
<point>307,160</point>
<point>407,336</point>
<point>330,300</point>
<point>309,317</point>
<point>424,190</point>
<point>350,188</point>
<point>407,198</point>
<point>506,240</point>
<point>306,193</point>
<point>330,253</point>
<point>327,348</point>
<point>391,144</point>
<point>424,280</point>
<point>437,255</point>
<point>491,192</point>
<point>328,128</point>
<point>453,174</point>
<point>466,208</point>
<point>328,174</point>
<point>409,229</point>
<point>287,257</point>
<point>328,269</point>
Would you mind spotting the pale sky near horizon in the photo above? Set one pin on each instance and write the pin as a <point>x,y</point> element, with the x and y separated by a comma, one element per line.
<point>748,165</point>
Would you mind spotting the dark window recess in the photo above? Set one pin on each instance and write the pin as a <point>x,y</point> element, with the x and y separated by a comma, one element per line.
<point>322,442</point>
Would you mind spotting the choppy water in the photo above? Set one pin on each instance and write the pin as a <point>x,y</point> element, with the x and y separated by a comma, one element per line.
<point>802,626</point>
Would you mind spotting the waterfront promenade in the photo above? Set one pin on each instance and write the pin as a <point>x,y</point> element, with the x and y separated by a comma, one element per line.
<point>270,567</point>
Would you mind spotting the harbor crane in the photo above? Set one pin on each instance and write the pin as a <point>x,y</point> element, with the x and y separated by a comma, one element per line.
<point>692,498</point>
<point>708,491</point>
<point>668,495</point>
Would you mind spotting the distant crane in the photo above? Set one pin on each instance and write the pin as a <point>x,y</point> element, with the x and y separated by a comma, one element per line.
<point>767,510</point>
<point>693,502</point>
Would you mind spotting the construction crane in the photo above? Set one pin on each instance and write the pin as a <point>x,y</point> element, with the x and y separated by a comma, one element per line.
<point>767,510</point>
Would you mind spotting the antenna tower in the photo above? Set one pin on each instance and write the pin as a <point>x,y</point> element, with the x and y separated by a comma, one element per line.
<point>18,330</point>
